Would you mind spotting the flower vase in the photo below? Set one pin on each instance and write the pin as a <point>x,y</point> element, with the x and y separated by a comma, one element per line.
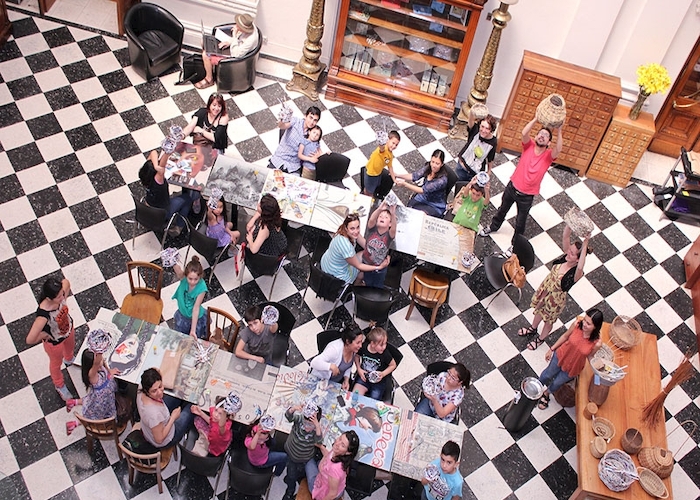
<point>637,108</point>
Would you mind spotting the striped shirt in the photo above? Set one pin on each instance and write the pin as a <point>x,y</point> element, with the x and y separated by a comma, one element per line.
<point>301,444</point>
<point>287,153</point>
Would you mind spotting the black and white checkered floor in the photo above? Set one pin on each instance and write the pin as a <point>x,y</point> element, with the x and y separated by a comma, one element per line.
<point>74,123</point>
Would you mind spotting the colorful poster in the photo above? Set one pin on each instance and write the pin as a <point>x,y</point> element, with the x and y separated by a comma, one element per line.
<point>333,204</point>
<point>241,182</point>
<point>252,381</point>
<point>419,442</point>
<point>190,165</point>
<point>376,424</point>
<point>176,355</point>
<point>295,195</point>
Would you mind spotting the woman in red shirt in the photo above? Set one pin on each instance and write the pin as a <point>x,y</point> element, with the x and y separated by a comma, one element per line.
<point>568,355</point>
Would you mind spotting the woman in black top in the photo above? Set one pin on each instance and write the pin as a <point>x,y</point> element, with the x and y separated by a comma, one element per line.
<point>209,125</point>
<point>152,176</point>
<point>264,230</point>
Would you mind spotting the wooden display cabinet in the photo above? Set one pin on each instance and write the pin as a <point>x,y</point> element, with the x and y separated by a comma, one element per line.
<point>590,98</point>
<point>622,147</point>
<point>403,58</point>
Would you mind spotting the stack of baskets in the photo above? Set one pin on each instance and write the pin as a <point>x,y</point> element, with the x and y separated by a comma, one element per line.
<point>551,112</point>
<point>625,332</point>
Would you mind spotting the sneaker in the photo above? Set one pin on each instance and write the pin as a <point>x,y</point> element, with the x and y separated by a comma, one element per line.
<point>69,362</point>
<point>485,232</point>
<point>64,393</point>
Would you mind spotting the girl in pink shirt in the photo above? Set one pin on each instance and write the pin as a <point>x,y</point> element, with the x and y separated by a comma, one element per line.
<point>217,425</point>
<point>258,442</point>
<point>327,478</point>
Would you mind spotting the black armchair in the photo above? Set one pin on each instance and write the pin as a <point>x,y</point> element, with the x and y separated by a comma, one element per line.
<point>154,36</point>
<point>237,74</point>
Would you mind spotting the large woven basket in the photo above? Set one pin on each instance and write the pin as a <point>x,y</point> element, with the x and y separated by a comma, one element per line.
<point>616,470</point>
<point>652,483</point>
<point>625,332</point>
<point>579,222</point>
<point>656,459</point>
<point>551,112</point>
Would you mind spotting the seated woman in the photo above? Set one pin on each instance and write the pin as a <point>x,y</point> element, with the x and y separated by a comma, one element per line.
<point>327,478</point>
<point>442,403</point>
<point>340,259</point>
<point>209,126</point>
<point>431,198</point>
<point>152,177</point>
<point>243,39</point>
<point>264,229</point>
<point>336,360</point>
<point>164,419</point>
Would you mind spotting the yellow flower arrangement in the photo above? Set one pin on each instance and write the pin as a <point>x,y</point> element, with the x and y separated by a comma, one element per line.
<point>653,78</point>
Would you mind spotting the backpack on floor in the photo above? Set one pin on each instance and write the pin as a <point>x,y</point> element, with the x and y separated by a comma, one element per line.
<point>192,69</point>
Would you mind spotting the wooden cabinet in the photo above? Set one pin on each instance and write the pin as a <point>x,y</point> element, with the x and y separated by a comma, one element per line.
<point>5,24</point>
<point>590,98</point>
<point>403,58</point>
<point>692,276</point>
<point>622,147</point>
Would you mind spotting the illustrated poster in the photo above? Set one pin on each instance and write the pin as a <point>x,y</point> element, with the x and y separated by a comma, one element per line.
<point>241,182</point>
<point>333,204</point>
<point>296,196</point>
<point>444,243</point>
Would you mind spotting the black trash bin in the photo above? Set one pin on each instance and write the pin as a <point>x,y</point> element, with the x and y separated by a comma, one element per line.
<point>525,400</point>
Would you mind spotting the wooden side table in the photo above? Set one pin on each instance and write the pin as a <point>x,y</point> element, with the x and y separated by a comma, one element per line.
<point>622,147</point>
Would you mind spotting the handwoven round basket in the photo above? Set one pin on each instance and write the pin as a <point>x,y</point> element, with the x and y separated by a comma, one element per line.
<point>480,111</point>
<point>551,112</point>
<point>616,470</point>
<point>579,222</point>
<point>598,447</point>
<point>656,459</point>
<point>651,483</point>
<point>603,428</point>
<point>632,441</point>
<point>625,332</point>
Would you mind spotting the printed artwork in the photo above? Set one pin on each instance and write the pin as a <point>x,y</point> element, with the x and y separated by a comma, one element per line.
<point>241,182</point>
<point>296,196</point>
<point>190,165</point>
<point>444,243</point>
<point>333,204</point>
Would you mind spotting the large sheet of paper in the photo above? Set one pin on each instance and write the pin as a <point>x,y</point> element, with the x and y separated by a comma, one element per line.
<point>241,182</point>
<point>252,381</point>
<point>190,165</point>
<point>131,340</point>
<point>419,442</point>
<point>333,204</point>
<point>444,243</point>
<point>408,224</point>
<point>376,424</point>
<point>296,196</point>
<point>175,354</point>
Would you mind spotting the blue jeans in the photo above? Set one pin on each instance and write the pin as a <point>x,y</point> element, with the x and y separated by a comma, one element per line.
<point>183,422</point>
<point>375,278</point>
<point>295,473</point>
<point>182,204</point>
<point>523,202</point>
<point>424,408</point>
<point>553,376</point>
<point>374,391</point>
<point>311,469</point>
<point>183,324</point>
<point>464,175</point>
<point>372,183</point>
<point>424,207</point>
<point>277,459</point>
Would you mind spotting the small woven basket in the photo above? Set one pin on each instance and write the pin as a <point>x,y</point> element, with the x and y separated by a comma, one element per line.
<point>632,441</point>
<point>616,470</point>
<point>598,447</point>
<point>625,332</point>
<point>656,459</point>
<point>651,483</point>
<point>551,112</point>
<point>603,428</point>
<point>480,111</point>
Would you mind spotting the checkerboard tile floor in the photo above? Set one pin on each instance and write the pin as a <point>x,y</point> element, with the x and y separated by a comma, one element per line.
<point>75,122</point>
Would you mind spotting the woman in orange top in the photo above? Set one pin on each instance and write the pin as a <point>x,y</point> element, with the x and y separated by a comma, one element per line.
<point>568,355</point>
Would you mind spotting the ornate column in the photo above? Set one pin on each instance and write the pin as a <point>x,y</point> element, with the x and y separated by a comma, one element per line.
<point>307,72</point>
<point>482,79</point>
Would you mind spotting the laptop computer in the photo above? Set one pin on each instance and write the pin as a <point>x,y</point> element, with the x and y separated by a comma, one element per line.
<point>210,44</point>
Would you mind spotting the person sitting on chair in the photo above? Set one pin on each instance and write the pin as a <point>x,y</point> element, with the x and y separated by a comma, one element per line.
<point>243,39</point>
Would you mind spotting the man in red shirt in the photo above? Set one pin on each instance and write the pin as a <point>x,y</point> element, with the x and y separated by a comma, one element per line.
<point>524,184</point>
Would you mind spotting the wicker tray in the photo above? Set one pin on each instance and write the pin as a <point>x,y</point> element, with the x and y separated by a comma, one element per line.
<point>651,483</point>
<point>625,332</point>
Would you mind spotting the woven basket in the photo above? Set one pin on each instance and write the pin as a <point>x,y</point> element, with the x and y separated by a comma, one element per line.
<point>656,459</point>
<point>625,332</point>
<point>579,222</point>
<point>632,441</point>
<point>616,470</point>
<point>651,483</point>
<point>603,428</point>
<point>598,447</point>
<point>480,111</point>
<point>551,112</point>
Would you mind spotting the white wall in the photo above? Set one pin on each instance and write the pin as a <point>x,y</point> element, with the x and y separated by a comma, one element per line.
<point>613,36</point>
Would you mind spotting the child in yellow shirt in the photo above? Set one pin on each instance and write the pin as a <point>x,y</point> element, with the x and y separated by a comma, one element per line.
<point>381,157</point>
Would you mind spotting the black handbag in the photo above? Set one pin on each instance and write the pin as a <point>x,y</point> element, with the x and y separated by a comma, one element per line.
<point>192,69</point>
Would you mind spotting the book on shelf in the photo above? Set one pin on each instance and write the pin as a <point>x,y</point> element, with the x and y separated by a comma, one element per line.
<point>423,10</point>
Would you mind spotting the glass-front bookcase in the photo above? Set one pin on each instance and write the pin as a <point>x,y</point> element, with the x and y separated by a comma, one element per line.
<point>403,58</point>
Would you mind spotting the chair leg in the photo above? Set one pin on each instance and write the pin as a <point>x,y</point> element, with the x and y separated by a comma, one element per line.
<point>131,475</point>
<point>410,309</point>
<point>494,297</point>
<point>89,443</point>
<point>159,477</point>
<point>119,450</point>
<point>432,318</point>
<point>272,287</point>
<point>179,470</point>
<point>335,304</point>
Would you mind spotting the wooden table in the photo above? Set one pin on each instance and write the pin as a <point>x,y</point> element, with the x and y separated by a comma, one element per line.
<point>624,409</point>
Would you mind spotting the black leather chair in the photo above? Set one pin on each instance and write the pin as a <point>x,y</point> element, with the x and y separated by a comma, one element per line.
<point>151,218</point>
<point>385,183</point>
<point>327,287</point>
<point>234,74</point>
<point>246,479</point>
<point>266,265</point>
<point>205,246</point>
<point>154,37</point>
<point>326,337</point>
<point>493,265</point>
<point>436,368</point>
<point>331,168</point>
<point>372,304</point>
<point>203,466</point>
<point>285,324</point>
<point>389,389</point>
